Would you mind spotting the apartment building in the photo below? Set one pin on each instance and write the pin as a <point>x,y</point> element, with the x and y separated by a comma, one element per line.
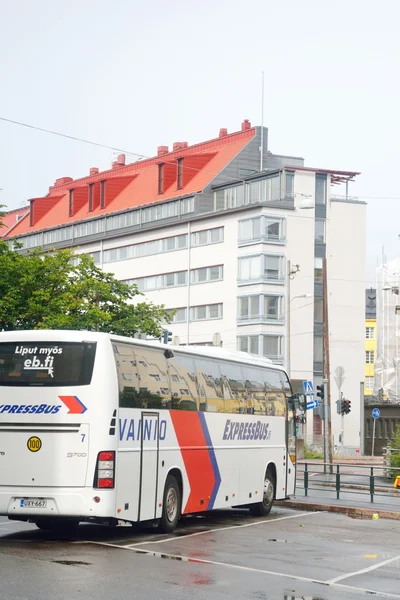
<point>216,231</point>
<point>370,341</point>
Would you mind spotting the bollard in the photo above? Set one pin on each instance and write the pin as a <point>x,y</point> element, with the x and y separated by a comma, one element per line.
<point>306,479</point>
<point>372,485</point>
<point>337,481</point>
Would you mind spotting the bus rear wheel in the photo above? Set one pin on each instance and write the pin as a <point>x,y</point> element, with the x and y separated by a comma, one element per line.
<point>56,524</point>
<point>171,512</point>
<point>264,508</point>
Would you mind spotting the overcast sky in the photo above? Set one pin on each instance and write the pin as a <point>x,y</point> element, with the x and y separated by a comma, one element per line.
<point>135,75</point>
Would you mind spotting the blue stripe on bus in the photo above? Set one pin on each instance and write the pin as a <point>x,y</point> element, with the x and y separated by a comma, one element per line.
<point>213,459</point>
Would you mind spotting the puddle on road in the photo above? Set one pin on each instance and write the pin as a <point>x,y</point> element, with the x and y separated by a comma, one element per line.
<point>72,563</point>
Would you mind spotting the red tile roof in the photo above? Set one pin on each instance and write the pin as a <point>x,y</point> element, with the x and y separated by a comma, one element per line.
<point>136,184</point>
<point>11,218</point>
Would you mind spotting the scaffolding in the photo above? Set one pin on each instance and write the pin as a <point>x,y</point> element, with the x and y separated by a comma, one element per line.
<point>387,364</point>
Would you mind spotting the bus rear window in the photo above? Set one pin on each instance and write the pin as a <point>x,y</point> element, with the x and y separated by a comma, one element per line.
<point>46,363</point>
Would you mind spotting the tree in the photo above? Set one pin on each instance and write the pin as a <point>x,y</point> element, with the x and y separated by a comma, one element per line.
<point>61,290</point>
<point>394,454</point>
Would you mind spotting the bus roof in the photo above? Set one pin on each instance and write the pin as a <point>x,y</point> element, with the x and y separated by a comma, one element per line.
<point>63,335</point>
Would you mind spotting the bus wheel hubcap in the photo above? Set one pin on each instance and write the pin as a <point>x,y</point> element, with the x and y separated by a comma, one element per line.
<point>268,491</point>
<point>172,504</point>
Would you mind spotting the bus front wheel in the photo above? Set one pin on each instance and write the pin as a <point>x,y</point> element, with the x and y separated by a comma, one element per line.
<point>171,505</point>
<point>261,509</point>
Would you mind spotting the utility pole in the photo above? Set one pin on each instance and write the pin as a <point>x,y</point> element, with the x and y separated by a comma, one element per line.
<point>291,272</point>
<point>327,368</point>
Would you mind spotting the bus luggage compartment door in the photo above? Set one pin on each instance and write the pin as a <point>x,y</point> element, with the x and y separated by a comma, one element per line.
<point>149,454</point>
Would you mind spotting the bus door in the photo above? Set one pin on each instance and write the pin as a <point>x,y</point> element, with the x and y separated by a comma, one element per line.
<point>291,450</point>
<point>149,455</point>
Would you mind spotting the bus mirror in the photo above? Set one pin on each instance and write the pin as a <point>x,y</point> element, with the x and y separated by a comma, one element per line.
<point>297,402</point>
<point>302,402</point>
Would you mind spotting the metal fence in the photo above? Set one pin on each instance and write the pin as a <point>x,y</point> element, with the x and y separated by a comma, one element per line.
<point>371,483</point>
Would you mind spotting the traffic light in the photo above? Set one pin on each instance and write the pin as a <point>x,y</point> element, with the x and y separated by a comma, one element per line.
<point>167,336</point>
<point>345,406</point>
<point>321,392</point>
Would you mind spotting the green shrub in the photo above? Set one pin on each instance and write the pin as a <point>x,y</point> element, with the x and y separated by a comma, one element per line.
<point>308,453</point>
<point>394,454</point>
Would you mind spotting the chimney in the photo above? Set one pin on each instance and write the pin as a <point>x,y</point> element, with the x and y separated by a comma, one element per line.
<point>246,125</point>
<point>62,181</point>
<point>179,146</point>
<point>93,171</point>
<point>121,159</point>
<point>162,150</point>
<point>223,132</point>
<point>115,164</point>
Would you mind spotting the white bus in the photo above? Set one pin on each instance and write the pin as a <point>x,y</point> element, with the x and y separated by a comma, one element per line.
<point>100,428</point>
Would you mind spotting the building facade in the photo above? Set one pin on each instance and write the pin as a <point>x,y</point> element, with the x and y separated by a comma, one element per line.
<point>216,232</point>
<point>370,341</point>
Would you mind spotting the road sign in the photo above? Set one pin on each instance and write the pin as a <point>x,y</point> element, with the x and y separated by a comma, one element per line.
<point>312,404</point>
<point>308,388</point>
<point>376,413</point>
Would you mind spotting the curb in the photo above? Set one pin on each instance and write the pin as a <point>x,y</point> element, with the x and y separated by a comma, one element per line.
<point>351,511</point>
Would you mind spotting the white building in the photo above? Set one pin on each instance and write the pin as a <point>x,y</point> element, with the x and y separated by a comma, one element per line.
<point>208,230</point>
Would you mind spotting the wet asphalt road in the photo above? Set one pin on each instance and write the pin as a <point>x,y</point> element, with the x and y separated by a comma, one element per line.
<point>289,555</point>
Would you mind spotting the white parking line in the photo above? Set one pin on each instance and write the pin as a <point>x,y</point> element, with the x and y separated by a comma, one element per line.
<point>197,533</point>
<point>204,561</point>
<point>366,570</point>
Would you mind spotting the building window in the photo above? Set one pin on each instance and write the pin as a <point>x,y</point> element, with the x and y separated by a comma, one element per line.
<point>160,211</point>
<point>369,357</point>
<point>264,267</point>
<point>260,307</point>
<point>170,244</point>
<point>71,203</point>
<point>318,270</point>
<point>289,184</point>
<point>268,229</point>
<point>318,348</point>
<point>320,189</point>
<point>102,194</point>
<point>207,236</point>
<point>249,343</point>
<point>207,312</point>
<point>160,178</point>
<point>180,315</point>
<point>369,384</point>
<point>91,186</point>
<point>270,346</point>
<point>179,174</point>
<point>320,231</point>
<point>207,274</point>
<point>89,228</point>
<point>318,310</point>
<point>369,333</point>
<point>187,206</point>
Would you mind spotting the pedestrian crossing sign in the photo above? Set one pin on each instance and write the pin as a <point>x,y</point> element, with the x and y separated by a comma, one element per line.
<point>308,388</point>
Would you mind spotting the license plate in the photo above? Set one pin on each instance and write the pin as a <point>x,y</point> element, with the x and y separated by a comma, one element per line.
<point>32,503</point>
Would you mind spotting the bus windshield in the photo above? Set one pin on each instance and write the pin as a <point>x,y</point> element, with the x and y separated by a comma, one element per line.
<point>46,363</point>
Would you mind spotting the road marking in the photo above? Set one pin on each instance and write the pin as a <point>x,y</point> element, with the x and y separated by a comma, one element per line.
<point>191,559</point>
<point>197,533</point>
<point>361,571</point>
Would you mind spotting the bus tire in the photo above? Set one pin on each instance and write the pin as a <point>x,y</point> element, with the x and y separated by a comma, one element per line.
<point>262,509</point>
<point>171,512</point>
<point>52,524</point>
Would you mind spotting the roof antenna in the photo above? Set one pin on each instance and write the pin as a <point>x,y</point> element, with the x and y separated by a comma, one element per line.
<point>262,122</point>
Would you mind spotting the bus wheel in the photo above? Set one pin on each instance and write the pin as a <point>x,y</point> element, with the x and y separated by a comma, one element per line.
<point>263,508</point>
<point>56,524</point>
<point>171,505</point>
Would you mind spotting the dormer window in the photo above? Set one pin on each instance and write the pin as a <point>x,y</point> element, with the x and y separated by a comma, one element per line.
<point>160,178</point>
<point>179,175</point>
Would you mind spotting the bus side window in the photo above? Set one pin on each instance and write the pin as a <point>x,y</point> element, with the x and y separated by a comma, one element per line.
<point>154,389</point>
<point>254,383</point>
<point>183,382</point>
<point>233,387</point>
<point>209,386</point>
<point>275,393</point>
<point>127,375</point>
